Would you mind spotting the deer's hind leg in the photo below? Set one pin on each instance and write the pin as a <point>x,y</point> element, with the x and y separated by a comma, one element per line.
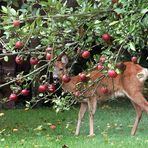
<point>140,104</point>
<point>138,118</point>
<point>139,100</point>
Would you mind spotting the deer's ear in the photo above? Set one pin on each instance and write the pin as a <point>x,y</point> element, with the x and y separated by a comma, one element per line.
<point>64,59</point>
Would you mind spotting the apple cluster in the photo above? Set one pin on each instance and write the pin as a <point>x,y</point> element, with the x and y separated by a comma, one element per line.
<point>66,78</point>
<point>51,88</point>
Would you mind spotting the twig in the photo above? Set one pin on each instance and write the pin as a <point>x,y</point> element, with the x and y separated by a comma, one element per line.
<point>118,53</point>
<point>36,70</point>
<point>57,16</point>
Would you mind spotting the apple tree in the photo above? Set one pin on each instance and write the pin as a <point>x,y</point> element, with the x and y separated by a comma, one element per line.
<point>92,32</point>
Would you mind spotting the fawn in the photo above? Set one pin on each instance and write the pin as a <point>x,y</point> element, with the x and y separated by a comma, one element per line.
<point>130,83</point>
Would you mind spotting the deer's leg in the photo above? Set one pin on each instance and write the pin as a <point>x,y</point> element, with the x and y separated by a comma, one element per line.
<point>139,99</point>
<point>83,108</point>
<point>138,117</point>
<point>92,104</point>
<point>140,104</point>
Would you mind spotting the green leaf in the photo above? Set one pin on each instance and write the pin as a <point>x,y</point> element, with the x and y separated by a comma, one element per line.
<point>41,94</point>
<point>119,11</point>
<point>119,71</point>
<point>143,11</point>
<point>132,46</point>
<point>12,11</point>
<point>6,59</point>
<point>4,9</point>
<point>132,28</point>
<point>8,27</point>
<point>113,23</point>
<point>43,4</point>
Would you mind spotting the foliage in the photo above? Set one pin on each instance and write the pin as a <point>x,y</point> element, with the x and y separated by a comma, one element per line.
<point>65,29</point>
<point>63,102</point>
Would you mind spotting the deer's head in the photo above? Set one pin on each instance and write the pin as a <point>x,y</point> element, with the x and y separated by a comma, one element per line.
<point>60,67</point>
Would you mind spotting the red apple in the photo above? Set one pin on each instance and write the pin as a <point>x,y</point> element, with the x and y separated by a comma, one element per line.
<point>33,61</point>
<point>106,37</point>
<point>134,59</point>
<point>77,94</point>
<point>112,73</point>
<point>49,49</point>
<point>52,88</point>
<point>103,90</point>
<point>100,66</point>
<point>85,54</point>
<point>42,88</point>
<point>19,59</point>
<point>13,97</point>
<point>52,126</point>
<point>66,78</point>
<point>114,1</point>
<point>25,92</point>
<point>18,44</point>
<point>121,66</point>
<point>16,23</point>
<point>102,59</point>
<point>82,77</point>
<point>48,56</point>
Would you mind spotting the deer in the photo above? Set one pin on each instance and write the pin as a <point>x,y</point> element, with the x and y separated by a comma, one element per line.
<point>129,84</point>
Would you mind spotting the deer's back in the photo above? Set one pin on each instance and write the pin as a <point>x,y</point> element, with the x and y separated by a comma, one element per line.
<point>123,84</point>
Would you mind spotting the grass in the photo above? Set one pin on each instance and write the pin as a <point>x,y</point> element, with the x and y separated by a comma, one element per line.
<point>113,121</point>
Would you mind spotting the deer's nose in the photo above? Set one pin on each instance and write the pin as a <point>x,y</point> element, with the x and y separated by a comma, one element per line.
<point>55,79</point>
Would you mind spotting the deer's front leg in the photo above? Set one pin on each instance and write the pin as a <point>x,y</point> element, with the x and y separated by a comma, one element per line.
<point>92,104</point>
<point>83,108</point>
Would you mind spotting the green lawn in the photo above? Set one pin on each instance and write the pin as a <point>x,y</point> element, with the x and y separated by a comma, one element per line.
<point>112,128</point>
